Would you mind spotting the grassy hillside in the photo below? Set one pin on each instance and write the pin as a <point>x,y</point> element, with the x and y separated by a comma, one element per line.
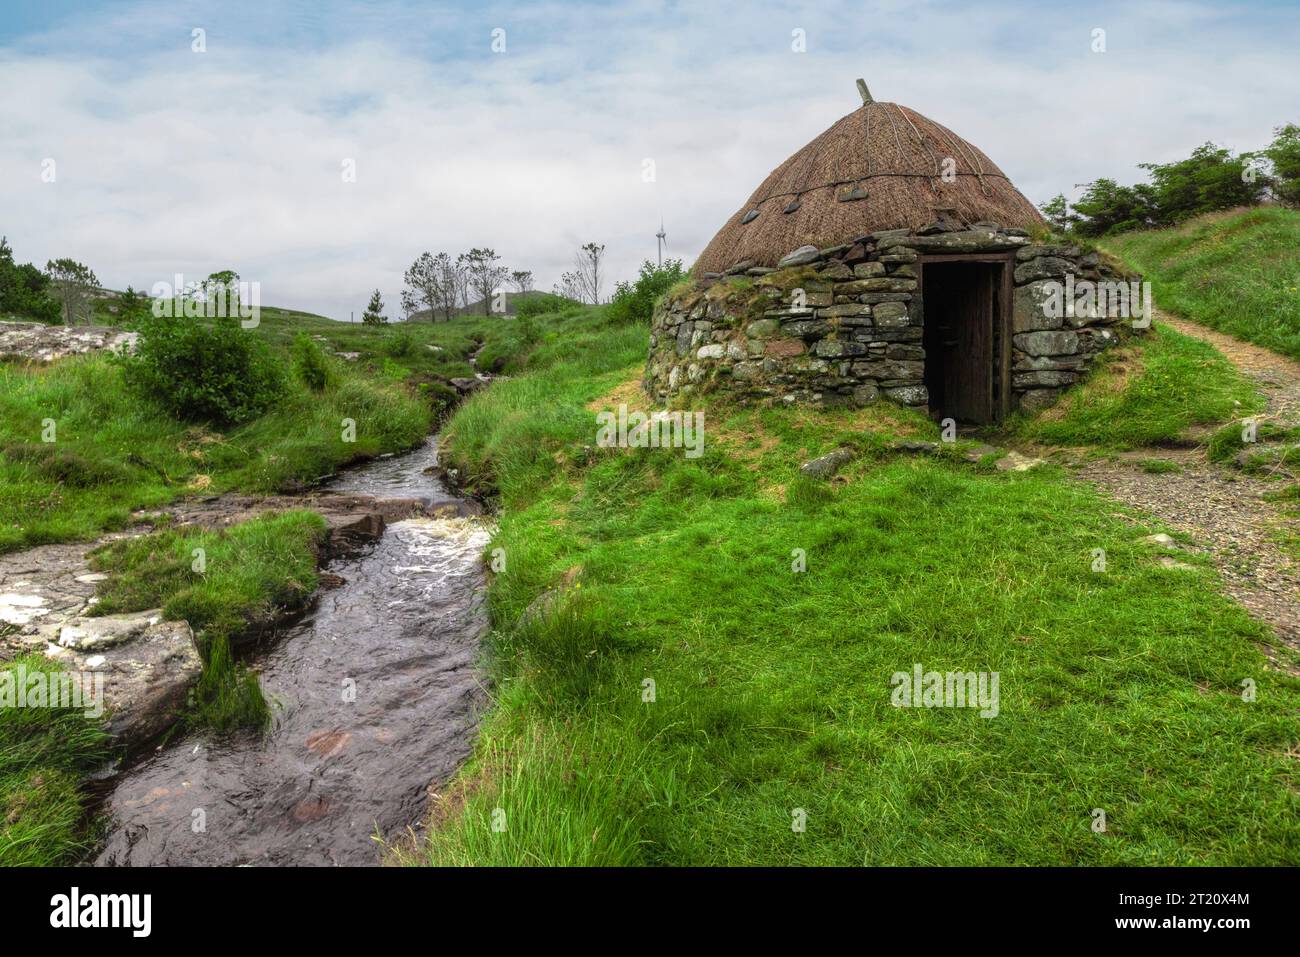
<point>1237,271</point>
<point>685,693</point>
<point>114,454</point>
<point>1150,391</point>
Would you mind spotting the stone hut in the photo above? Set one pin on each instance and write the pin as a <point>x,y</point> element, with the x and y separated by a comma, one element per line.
<point>888,258</point>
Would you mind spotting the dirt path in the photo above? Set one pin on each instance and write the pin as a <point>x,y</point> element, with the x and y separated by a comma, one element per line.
<point>1221,508</point>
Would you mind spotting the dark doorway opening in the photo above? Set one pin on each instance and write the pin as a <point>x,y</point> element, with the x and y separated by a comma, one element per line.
<point>964,339</point>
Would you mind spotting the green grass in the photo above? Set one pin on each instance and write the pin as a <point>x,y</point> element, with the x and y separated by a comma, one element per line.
<point>1119,690</point>
<point>114,454</point>
<point>249,572</point>
<point>510,435</point>
<point>44,752</point>
<point>1225,443</point>
<point>1236,271</point>
<point>1149,391</point>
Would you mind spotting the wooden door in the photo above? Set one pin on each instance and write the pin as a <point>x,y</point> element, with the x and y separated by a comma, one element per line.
<point>969,385</point>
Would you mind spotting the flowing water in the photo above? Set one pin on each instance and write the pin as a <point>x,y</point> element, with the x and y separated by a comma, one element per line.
<point>376,692</point>
<point>398,476</point>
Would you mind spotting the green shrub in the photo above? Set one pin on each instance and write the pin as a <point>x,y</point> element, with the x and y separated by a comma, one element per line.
<point>311,364</point>
<point>529,331</point>
<point>399,344</point>
<point>634,302</point>
<point>539,304</point>
<point>218,373</point>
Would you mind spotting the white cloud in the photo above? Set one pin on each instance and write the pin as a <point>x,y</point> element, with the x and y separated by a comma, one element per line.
<point>170,160</point>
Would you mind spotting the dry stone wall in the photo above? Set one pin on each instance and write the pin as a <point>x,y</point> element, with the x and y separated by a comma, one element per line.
<point>845,325</point>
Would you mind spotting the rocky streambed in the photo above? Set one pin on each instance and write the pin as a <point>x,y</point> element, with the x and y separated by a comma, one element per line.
<point>375,688</point>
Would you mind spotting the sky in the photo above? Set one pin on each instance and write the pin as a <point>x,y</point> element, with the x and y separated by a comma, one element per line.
<point>534,128</point>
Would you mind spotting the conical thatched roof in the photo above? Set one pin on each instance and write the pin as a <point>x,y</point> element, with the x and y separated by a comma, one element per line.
<point>880,167</point>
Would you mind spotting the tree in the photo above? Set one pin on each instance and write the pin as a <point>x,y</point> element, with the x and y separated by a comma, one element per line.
<point>219,286</point>
<point>1057,212</point>
<point>450,282</point>
<point>24,289</point>
<point>74,285</point>
<point>486,274</point>
<point>462,281</point>
<point>589,274</point>
<point>1208,180</point>
<point>522,280</point>
<point>1107,207</point>
<point>423,285</point>
<point>1284,154</point>
<point>569,286</point>
<point>374,314</point>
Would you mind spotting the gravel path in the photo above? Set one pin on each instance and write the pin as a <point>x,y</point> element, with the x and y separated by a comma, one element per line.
<point>1221,508</point>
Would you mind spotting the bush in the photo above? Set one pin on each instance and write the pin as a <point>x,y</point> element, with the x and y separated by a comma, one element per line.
<point>539,304</point>
<point>311,364</point>
<point>530,333</point>
<point>218,373</point>
<point>399,344</point>
<point>634,302</point>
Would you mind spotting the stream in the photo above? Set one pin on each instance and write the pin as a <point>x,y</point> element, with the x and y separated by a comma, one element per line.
<point>375,694</point>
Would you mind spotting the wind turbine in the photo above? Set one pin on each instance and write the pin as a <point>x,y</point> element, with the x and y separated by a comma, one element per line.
<point>662,237</point>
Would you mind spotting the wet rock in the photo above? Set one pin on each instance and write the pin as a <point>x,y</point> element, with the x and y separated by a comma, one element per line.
<point>146,680</point>
<point>465,385</point>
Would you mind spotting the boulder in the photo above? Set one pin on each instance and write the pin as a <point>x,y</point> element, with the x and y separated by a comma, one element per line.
<point>826,466</point>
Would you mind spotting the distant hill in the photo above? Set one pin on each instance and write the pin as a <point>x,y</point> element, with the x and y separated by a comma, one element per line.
<point>476,308</point>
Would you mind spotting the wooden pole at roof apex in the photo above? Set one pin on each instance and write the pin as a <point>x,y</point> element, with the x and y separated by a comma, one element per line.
<point>864,92</point>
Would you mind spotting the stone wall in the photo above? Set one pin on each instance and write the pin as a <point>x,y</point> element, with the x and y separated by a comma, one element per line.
<point>844,325</point>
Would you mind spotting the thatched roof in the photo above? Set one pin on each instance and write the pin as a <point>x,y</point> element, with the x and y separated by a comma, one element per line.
<point>880,167</point>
